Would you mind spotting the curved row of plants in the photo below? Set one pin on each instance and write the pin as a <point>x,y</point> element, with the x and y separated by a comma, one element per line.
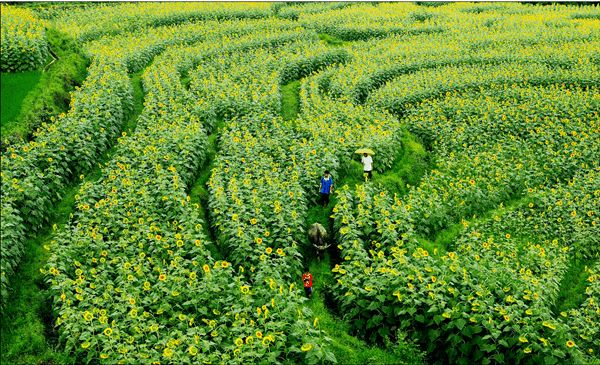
<point>35,172</point>
<point>89,23</point>
<point>138,49</point>
<point>366,21</point>
<point>467,39</point>
<point>346,84</point>
<point>410,89</point>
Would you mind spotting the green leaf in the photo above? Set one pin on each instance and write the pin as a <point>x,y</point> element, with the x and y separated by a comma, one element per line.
<point>460,323</point>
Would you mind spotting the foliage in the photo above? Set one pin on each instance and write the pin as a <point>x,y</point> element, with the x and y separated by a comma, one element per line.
<point>24,45</point>
<point>490,295</point>
<point>34,173</point>
<point>483,118</point>
<point>51,96</point>
<point>365,21</point>
<point>87,24</point>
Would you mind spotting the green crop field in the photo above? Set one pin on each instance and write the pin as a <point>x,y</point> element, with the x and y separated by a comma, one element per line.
<point>160,176</point>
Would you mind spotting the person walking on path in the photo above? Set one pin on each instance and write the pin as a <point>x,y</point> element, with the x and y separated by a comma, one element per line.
<point>317,235</point>
<point>307,278</point>
<point>325,188</point>
<point>367,162</point>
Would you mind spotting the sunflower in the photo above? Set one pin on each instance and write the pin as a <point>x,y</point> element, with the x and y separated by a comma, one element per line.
<point>306,347</point>
<point>88,316</point>
<point>108,331</point>
<point>570,344</point>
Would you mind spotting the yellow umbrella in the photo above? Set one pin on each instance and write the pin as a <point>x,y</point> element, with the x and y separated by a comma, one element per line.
<point>365,150</point>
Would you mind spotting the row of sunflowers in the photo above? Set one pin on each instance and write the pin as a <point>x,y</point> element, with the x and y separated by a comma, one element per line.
<point>365,21</point>
<point>35,172</point>
<point>392,57</point>
<point>90,23</point>
<point>139,48</point>
<point>24,46</point>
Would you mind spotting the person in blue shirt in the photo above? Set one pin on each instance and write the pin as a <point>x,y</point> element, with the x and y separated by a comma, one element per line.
<point>326,188</point>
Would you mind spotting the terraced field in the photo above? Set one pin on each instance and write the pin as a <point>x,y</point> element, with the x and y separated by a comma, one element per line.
<point>163,217</point>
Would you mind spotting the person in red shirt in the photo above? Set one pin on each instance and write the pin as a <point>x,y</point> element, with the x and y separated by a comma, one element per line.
<point>307,279</point>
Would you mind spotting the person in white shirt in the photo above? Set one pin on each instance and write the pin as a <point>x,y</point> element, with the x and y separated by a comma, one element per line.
<point>367,162</point>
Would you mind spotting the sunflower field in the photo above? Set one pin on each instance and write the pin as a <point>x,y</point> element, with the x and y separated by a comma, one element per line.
<point>163,218</point>
<point>24,45</point>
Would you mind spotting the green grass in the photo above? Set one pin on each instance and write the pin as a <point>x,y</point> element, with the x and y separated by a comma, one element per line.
<point>410,165</point>
<point>14,89</point>
<point>572,287</point>
<point>290,101</point>
<point>198,190</point>
<point>331,40</point>
<point>31,338</point>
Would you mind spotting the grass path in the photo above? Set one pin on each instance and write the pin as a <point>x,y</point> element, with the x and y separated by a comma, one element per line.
<point>409,166</point>
<point>347,348</point>
<point>30,338</point>
<point>198,190</point>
